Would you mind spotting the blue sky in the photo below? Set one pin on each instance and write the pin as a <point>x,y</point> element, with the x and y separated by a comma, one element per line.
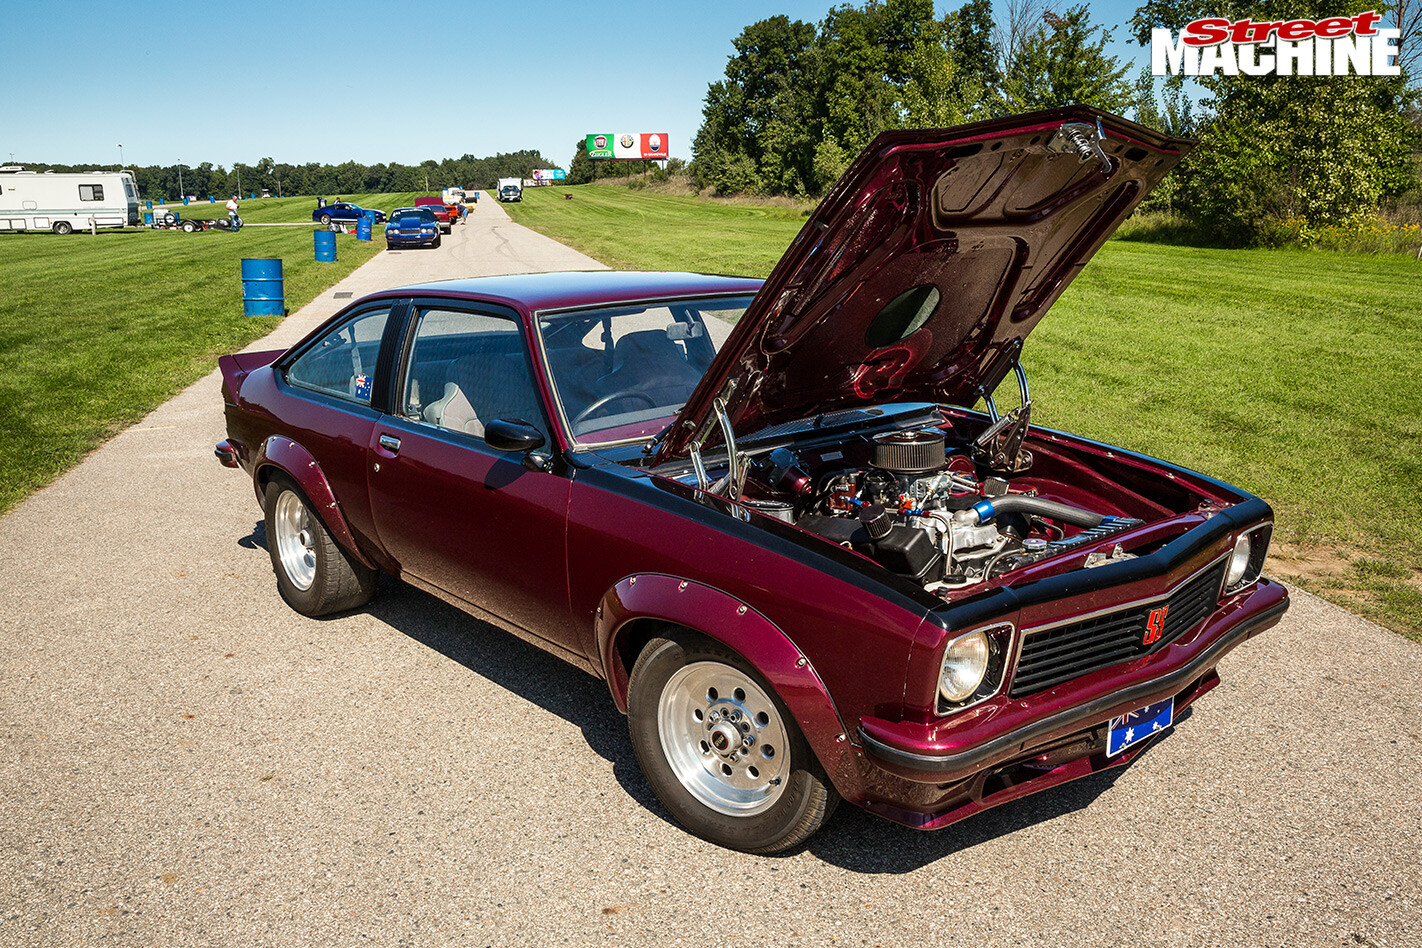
<point>314,80</point>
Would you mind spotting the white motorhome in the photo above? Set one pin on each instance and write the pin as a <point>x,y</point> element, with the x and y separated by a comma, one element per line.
<point>65,202</point>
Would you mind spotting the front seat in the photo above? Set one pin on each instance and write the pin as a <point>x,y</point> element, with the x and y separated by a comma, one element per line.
<point>650,362</point>
<point>453,410</point>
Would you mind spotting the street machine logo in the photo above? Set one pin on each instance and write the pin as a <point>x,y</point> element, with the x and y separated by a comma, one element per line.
<point>1333,46</point>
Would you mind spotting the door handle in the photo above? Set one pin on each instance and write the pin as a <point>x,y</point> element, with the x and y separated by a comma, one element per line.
<point>390,443</point>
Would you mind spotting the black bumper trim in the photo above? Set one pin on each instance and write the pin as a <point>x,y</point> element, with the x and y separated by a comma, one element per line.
<point>1086,714</point>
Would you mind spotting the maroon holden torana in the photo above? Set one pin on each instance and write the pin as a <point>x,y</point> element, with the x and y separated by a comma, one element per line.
<point>767,513</point>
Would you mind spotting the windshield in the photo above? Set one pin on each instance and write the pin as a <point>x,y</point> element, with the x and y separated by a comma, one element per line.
<point>621,373</point>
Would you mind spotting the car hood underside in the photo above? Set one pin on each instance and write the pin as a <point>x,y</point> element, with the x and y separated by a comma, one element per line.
<point>924,268</point>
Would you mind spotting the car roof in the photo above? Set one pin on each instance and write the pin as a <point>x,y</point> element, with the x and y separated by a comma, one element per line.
<point>573,288</point>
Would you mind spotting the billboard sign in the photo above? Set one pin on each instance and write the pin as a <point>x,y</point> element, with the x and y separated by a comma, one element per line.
<point>628,146</point>
<point>549,174</point>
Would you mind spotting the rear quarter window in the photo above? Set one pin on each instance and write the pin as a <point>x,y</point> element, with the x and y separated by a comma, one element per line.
<point>342,362</point>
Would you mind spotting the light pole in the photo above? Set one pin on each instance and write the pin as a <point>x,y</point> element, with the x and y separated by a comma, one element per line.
<point>120,148</point>
<point>180,180</point>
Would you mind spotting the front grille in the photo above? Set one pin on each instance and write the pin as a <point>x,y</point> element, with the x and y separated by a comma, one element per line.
<point>1059,654</point>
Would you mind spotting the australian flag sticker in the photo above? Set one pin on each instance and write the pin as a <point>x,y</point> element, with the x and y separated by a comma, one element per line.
<point>1135,727</point>
<point>362,386</point>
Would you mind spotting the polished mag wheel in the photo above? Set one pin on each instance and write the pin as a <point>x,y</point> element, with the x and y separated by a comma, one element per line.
<point>294,541</point>
<point>720,749</point>
<point>724,739</point>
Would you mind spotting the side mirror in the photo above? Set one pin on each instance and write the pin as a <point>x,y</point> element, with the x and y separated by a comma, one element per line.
<point>504,434</point>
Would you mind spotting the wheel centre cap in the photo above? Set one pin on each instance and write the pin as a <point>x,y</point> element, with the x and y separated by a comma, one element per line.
<point>724,738</point>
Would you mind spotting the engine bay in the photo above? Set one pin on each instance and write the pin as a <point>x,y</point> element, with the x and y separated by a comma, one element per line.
<point>927,503</point>
<point>924,513</point>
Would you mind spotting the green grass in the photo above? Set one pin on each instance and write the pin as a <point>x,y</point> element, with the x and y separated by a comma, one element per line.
<point>641,230</point>
<point>95,332</point>
<point>1291,373</point>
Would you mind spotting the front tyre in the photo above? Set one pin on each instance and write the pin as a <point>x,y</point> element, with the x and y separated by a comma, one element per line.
<point>63,227</point>
<point>720,750</point>
<point>314,575</point>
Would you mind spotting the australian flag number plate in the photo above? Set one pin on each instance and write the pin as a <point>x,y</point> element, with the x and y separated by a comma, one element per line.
<point>1135,727</point>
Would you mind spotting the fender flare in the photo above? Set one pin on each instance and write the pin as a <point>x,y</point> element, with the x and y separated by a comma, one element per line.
<point>740,627</point>
<point>296,462</point>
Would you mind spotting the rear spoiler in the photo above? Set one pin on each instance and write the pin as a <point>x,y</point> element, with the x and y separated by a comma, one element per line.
<point>236,368</point>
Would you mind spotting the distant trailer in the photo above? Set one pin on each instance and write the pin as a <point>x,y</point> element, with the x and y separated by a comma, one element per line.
<point>65,202</point>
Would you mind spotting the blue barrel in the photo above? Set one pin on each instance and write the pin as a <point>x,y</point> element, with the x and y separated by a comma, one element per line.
<point>326,246</point>
<point>185,200</point>
<point>148,218</point>
<point>363,227</point>
<point>150,205</point>
<point>211,199</point>
<point>262,287</point>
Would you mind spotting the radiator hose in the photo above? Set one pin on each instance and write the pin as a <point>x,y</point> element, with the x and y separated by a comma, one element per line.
<point>988,508</point>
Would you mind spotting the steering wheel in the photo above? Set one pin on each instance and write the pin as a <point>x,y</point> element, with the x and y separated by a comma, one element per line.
<point>612,397</point>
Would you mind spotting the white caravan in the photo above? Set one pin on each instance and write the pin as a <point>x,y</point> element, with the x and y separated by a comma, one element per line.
<point>65,202</point>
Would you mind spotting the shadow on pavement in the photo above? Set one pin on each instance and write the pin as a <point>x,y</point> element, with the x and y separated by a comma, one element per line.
<point>524,669</point>
<point>257,539</point>
<point>853,839</point>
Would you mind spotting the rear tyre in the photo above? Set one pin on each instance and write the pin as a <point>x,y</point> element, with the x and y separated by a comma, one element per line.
<point>720,749</point>
<point>189,227</point>
<point>314,575</point>
<point>63,227</point>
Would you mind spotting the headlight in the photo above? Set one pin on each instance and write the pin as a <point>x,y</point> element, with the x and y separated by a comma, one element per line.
<point>1246,560</point>
<point>1238,562</point>
<point>965,662</point>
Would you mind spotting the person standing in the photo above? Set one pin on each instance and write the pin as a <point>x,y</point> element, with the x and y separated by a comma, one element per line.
<point>232,212</point>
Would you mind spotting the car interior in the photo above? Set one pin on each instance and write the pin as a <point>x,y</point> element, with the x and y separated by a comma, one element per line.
<point>616,367</point>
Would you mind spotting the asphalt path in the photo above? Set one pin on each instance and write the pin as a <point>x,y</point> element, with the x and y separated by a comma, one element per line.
<point>185,761</point>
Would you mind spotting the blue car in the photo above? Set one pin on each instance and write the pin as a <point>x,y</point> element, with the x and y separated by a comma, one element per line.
<point>344,212</point>
<point>412,227</point>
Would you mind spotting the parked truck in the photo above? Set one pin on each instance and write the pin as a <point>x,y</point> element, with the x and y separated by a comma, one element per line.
<point>510,189</point>
<point>64,202</point>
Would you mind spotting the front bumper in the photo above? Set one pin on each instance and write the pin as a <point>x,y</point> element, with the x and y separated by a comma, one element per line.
<point>932,774</point>
<point>412,240</point>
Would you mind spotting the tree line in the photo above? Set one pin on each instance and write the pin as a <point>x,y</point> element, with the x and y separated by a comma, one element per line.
<point>208,180</point>
<point>799,101</point>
